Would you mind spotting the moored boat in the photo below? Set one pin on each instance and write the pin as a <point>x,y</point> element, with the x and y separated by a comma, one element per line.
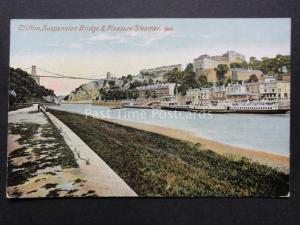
<point>252,107</point>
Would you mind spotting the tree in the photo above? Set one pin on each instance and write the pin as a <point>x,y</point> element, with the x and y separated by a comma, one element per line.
<point>189,68</point>
<point>111,83</point>
<point>129,77</point>
<point>254,63</point>
<point>252,78</point>
<point>221,70</point>
<point>150,94</point>
<point>132,94</point>
<point>150,81</point>
<point>243,64</point>
<point>202,80</point>
<point>228,81</point>
<point>173,76</point>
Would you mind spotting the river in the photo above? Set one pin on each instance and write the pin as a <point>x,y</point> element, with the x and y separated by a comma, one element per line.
<point>266,132</point>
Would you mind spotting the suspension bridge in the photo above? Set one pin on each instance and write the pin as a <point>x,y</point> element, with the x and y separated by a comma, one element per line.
<point>46,73</point>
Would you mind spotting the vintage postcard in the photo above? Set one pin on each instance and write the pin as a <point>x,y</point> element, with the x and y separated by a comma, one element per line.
<point>149,108</point>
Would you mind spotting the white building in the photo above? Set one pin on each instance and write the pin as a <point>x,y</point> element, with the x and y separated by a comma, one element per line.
<point>160,71</point>
<point>275,90</point>
<point>159,89</point>
<point>199,95</point>
<point>239,92</point>
<point>204,62</point>
<point>268,78</point>
<point>233,56</point>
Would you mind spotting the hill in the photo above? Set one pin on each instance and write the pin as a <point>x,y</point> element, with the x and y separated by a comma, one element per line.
<point>26,89</point>
<point>86,91</point>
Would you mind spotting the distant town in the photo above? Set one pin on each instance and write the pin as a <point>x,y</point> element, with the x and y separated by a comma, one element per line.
<point>208,82</point>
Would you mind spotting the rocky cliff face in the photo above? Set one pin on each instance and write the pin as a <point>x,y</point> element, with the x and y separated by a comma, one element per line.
<point>87,91</point>
<point>90,91</point>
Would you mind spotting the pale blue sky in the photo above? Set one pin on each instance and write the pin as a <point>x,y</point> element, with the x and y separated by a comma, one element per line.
<point>86,53</point>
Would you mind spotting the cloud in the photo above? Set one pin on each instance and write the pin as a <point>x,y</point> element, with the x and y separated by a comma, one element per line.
<point>205,36</point>
<point>149,39</point>
<point>141,39</point>
<point>103,37</point>
<point>75,45</point>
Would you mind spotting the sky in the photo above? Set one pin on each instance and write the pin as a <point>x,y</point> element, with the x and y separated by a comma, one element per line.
<point>85,53</point>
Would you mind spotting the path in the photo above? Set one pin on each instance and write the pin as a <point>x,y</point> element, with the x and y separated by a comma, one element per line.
<point>46,162</point>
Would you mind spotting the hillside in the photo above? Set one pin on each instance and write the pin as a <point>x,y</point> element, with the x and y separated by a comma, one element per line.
<point>86,91</point>
<point>25,87</point>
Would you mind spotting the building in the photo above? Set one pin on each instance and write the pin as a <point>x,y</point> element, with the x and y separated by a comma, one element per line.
<point>268,78</point>
<point>159,71</point>
<point>239,92</point>
<point>286,77</point>
<point>156,90</point>
<point>244,74</point>
<point>252,88</point>
<point>199,95</point>
<point>283,90</point>
<point>204,62</point>
<point>233,56</point>
<point>275,90</point>
<point>270,90</point>
<point>219,92</point>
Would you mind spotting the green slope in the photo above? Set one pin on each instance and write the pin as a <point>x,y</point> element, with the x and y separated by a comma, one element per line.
<point>26,89</point>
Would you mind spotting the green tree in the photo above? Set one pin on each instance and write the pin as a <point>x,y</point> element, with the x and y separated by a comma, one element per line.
<point>254,63</point>
<point>242,64</point>
<point>202,80</point>
<point>189,68</point>
<point>150,94</point>
<point>129,77</point>
<point>150,81</point>
<point>111,83</point>
<point>221,70</point>
<point>252,78</point>
<point>173,76</point>
<point>228,81</point>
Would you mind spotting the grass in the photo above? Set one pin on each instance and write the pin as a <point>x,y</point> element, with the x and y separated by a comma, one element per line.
<point>48,153</point>
<point>156,165</point>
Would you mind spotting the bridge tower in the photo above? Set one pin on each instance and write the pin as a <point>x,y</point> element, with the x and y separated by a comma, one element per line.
<point>33,74</point>
<point>108,76</point>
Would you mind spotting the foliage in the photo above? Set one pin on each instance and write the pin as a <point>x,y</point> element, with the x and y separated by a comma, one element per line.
<point>252,78</point>
<point>243,64</point>
<point>115,93</point>
<point>156,165</point>
<point>26,88</point>
<point>184,79</point>
<point>273,66</point>
<point>150,94</point>
<point>202,80</point>
<point>221,70</point>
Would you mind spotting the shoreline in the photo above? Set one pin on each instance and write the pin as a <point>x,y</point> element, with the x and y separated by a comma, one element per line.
<point>270,159</point>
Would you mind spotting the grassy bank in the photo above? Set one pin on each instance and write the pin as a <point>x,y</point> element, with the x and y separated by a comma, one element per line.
<point>156,165</point>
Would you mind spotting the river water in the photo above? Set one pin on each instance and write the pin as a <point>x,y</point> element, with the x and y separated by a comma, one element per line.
<point>266,132</point>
